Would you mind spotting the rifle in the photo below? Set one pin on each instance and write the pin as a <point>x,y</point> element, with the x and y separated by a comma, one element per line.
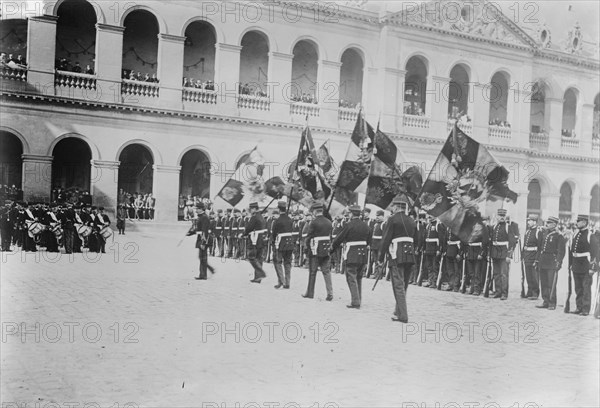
<point>554,281</point>
<point>488,278</point>
<point>463,284</point>
<point>567,308</point>
<point>420,276</point>
<point>439,278</point>
<point>522,270</point>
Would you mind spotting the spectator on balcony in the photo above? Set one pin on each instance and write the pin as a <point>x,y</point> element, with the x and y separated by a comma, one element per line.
<point>21,61</point>
<point>154,78</point>
<point>89,70</point>
<point>132,76</point>
<point>199,84</point>
<point>185,83</point>
<point>210,86</point>
<point>3,59</point>
<point>77,68</point>
<point>147,78</point>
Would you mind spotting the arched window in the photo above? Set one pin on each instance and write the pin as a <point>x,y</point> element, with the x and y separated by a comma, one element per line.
<point>71,166</point>
<point>76,37</point>
<point>415,87</point>
<point>351,78</point>
<point>254,64</point>
<point>537,110</point>
<point>566,201</point>
<point>199,56</point>
<point>569,115</point>
<point>458,92</point>
<point>11,163</point>
<point>305,66</point>
<point>140,46</point>
<point>194,178</point>
<point>498,95</point>
<point>534,197</point>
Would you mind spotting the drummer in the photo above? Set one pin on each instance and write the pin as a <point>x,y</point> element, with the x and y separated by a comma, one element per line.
<point>102,223</point>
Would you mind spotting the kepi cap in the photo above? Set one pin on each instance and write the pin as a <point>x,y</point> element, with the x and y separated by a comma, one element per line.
<point>583,217</point>
<point>552,219</point>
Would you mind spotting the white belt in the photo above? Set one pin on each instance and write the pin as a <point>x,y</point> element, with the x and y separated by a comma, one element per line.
<point>279,236</point>
<point>453,242</point>
<point>347,246</point>
<point>436,240</point>
<point>530,248</point>
<point>254,235</point>
<point>377,236</point>
<point>315,243</point>
<point>394,245</point>
<point>219,227</point>
<point>500,243</point>
<point>581,255</point>
<point>475,244</point>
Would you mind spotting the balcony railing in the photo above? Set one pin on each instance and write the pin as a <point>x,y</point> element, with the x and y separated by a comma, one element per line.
<point>74,80</point>
<point>148,89</point>
<point>304,108</point>
<point>15,74</point>
<point>349,114</point>
<point>569,142</point>
<point>254,102</point>
<point>416,121</point>
<point>466,127</point>
<point>199,95</point>
<point>538,139</point>
<point>499,132</point>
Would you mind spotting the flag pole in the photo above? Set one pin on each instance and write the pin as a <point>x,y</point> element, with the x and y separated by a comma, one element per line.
<point>290,177</point>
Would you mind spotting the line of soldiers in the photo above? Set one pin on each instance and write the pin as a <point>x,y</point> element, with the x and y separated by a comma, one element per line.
<point>51,226</point>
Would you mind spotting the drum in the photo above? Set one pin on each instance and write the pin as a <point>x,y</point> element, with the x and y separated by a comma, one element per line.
<point>83,230</point>
<point>35,228</point>
<point>57,231</point>
<point>106,232</point>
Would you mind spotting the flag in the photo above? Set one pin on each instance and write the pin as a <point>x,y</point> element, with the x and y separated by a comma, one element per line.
<point>386,180</point>
<point>247,182</point>
<point>354,172</point>
<point>308,173</point>
<point>465,183</point>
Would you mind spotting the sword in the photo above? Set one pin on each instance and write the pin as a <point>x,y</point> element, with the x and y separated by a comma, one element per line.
<point>463,283</point>
<point>522,271</point>
<point>420,276</point>
<point>488,273</point>
<point>567,308</point>
<point>439,278</point>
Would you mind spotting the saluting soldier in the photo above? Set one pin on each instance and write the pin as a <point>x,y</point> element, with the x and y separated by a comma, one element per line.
<point>531,242</point>
<point>505,236</point>
<point>583,254</point>
<point>283,246</point>
<point>318,240</point>
<point>399,235</point>
<point>452,248</point>
<point>376,233</point>
<point>356,237</point>
<point>549,260</point>
<point>256,231</point>
<point>200,228</point>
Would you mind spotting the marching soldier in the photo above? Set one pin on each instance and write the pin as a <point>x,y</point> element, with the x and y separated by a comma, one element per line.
<point>504,239</point>
<point>283,246</point>
<point>257,232</point>
<point>318,241</point>
<point>376,235</point>
<point>549,260</point>
<point>355,237</point>
<point>583,254</point>
<point>200,228</point>
<point>531,242</point>
<point>399,234</point>
<point>452,248</point>
<point>431,249</point>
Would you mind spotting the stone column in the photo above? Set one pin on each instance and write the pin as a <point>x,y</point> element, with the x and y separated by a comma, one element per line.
<point>481,112</point>
<point>392,97</point>
<point>554,112</point>
<point>329,91</point>
<point>104,183</point>
<point>521,124</point>
<point>227,77</point>
<point>109,62</point>
<point>37,177</point>
<point>170,70</point>
<point>587,127</point>
<point>280,87</point>
<point>41,50</point>
<point>437,105</point>
<point>166,191</point>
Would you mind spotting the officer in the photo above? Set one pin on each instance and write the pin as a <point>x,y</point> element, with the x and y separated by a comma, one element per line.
<point>256,230</point>
<point>504,239</point>
<point>356,238</point>
<point>376,235</point>
<point>318,239</point>
<point>283,246</point>
<point>399,235</point>
<point>531,242</point>
<point>583,254</point>
<point>431,249</point>
<point>549,260</point>
<point>452,248</point>
<point>200,227</point>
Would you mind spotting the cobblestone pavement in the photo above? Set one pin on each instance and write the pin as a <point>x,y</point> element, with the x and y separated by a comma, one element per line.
<point>134,327</point>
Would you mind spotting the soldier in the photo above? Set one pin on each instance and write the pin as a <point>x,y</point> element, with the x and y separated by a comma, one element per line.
<point>504,239</point>
<point>296,233</point>
<point>453,251</point>
<point>549,260</point>
<point>376,234</point>
<point>336,257</point>
<point>5,228</point>
<point>102,221</point>
<point>583,254</point>
<point>303,233</point>
<point>283,246</point>
<point>531,242</point>
<point>355,237</point>
<point>318,240</point>
<point>270,220</point>
<point>431,249</point>
<point>475,262</point>
<point>200,228</point>
<point>227,234</point>
<point>399,235</point>
<point>257,232</point>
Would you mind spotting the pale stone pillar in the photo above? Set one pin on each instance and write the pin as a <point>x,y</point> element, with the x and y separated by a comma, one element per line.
<point>329,91</point>
<point>481,112</point>
<point>166,191</point>
<point>392,96</point>
<point>170,70</point>
<point>109,62</point>
<point>41,50</point>
<point>227,77</point>
<point>104,184</point>
<point>437,105</point>
<point>554,112</point>
<point>280,87</point>
<point>37,177</point>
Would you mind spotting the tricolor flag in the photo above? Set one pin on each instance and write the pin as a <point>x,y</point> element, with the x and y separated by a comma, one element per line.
<point>247,182</point>
<point>308,174</point>
<point>354,172</point>
<point>465,183</point>
<point>386,180</point>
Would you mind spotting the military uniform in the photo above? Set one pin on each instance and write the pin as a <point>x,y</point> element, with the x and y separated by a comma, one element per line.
<point>584,249</point>
<point>529,250</point>
<point>282,242</point>
<point>431,249</point>
<point>452,248</point>
<point>550,258</point>
<point>399,235</point>
<point>356,237</point>
<point>475,253</point>
<point>337,254</point>
<point>376,236</point>
<point>503,242</point>
<point>200,228</point>
<point>318,238</point>
<point>256,232</point>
